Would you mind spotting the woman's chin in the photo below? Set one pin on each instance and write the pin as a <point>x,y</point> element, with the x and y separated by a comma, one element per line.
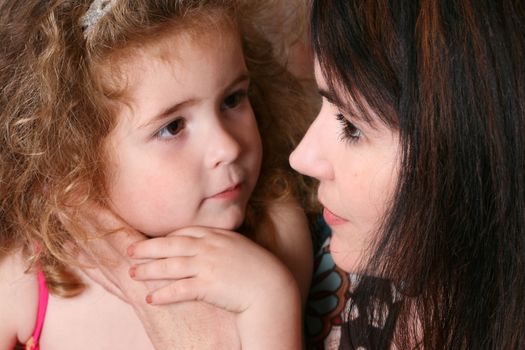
<point>346,256</point>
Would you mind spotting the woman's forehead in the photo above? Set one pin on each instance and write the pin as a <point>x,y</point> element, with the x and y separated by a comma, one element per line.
<point>350,99</point>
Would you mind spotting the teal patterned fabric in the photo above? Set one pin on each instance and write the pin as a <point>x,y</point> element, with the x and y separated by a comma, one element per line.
<point>338,315</point>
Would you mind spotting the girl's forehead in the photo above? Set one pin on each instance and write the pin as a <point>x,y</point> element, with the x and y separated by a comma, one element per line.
<point>122,69</point>
<point>168,43</point>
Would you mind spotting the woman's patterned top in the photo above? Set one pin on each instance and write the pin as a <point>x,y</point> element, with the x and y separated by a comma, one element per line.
<point>335,318</point>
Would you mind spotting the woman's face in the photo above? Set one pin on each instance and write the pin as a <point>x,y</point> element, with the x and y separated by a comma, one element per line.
<point>356,165</point>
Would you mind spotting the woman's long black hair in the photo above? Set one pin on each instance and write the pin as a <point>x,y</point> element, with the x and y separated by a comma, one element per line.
<point>449,75</point>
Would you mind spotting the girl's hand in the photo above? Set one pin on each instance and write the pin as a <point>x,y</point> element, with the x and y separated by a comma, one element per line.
<point>230,271</point>
<point>220,267</point>
<point>177,326</point>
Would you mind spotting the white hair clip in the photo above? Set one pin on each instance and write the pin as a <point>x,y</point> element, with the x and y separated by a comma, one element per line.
<point>96,11</point>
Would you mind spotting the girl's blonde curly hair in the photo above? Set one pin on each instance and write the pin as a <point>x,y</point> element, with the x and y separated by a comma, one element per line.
<point>56,111</point>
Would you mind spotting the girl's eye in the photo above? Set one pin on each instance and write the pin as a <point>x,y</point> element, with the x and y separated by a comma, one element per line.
<point>350,132</point>
<point>233,100</point>
<point>171,129</point>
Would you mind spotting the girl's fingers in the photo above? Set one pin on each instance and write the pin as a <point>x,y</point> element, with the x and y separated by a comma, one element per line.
<point>181,290</point>
<point>164,247</point>
<point>170,268</point>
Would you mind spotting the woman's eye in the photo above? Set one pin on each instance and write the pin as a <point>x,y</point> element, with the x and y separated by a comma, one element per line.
<point>233,100</point>
<point>350,132</point>
<point>171,129</point>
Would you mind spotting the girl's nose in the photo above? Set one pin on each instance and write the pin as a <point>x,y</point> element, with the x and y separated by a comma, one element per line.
<point>223,147</point>
<point>310,156</point>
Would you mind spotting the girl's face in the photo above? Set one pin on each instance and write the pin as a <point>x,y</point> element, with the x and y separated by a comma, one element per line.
<point>186,150</point>
<point>356,165</point>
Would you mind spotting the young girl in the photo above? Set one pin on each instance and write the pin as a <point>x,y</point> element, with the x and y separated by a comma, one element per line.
<point>145,109</point>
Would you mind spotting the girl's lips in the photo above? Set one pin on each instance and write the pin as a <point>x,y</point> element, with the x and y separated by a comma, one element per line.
<point>230,193</point>
<point>331,219</point>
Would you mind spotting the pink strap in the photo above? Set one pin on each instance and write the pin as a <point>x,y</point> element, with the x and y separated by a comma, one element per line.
<point>43,296</point>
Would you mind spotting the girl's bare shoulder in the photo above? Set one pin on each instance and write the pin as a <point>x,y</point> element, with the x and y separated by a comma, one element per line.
<point>18,300</point>
<point>294,242</point>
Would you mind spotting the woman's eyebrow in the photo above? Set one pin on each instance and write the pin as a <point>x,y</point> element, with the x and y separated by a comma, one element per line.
<point>331,97</point>
<point>327,94</point>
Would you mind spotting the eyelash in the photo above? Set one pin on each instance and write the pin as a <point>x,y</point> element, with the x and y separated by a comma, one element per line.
<point>350,132</point>
<point>237,97</point>
<point>176,122</point>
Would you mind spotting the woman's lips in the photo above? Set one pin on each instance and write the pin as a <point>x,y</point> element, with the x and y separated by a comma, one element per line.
<point>331,219</point>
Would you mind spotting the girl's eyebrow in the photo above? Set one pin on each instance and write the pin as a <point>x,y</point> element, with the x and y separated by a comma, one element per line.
<point>168,111</point>
<point>244,76</point>
<point>192,101</point>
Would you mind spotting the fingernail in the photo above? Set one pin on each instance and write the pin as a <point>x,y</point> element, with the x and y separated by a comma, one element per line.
<point>131,250</point>
<point>149,299</point>
<point>133,271</point>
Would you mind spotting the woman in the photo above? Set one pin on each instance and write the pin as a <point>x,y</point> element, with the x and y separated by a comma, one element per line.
<point>419,153</point>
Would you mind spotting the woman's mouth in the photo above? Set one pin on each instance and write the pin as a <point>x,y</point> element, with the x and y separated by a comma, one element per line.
<point>331,219</point>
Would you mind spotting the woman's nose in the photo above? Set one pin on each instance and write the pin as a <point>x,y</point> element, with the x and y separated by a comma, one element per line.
<point>223,147</point>
<point>311,156</point>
